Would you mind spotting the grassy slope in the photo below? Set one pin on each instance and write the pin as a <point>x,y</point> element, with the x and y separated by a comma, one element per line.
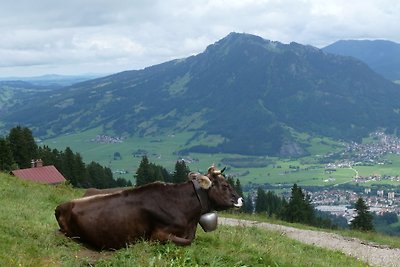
<point>29,237</point>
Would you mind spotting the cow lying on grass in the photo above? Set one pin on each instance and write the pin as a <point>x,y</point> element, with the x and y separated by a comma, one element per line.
<point>158,212</point>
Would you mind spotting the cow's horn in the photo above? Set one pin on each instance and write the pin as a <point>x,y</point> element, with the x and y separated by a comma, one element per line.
<point>223,169</point>
<point>203,181</point>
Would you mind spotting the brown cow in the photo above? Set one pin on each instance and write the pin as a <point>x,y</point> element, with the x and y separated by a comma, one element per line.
<point>158,211</point>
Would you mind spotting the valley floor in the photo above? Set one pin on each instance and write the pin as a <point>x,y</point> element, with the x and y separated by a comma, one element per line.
<point>374,255</point>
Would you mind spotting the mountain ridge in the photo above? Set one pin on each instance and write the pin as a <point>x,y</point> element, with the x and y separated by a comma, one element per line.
<point>249,91</point>
<point>383,56</point>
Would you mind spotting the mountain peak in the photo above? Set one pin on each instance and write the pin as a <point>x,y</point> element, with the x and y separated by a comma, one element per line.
<point>248,91</point>
<point>236,42</point>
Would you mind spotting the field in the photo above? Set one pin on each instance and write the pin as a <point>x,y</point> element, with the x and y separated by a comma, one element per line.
<point>29,237</point>
<point>259,170</point>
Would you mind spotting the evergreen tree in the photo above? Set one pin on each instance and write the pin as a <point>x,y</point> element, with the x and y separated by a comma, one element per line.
<point>248,205</point>
<point>79,171</point>
<point>143,173</point>
<point>274,203</point>
<point>67,166</point>
<point>45,153</point>
<point>261,201</point>
<point>181,172</point>
<point>230,181</point>
<point>23,146</point>
<point>166,176</point>
<point>6,157</point>
<point>299,208</point>
<point>238,188</point>
<point>95,175</point>
<point>268,202</point>
<point>363,220</point>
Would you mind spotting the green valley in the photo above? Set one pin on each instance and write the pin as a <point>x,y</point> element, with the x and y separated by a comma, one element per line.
<point>124,156</point>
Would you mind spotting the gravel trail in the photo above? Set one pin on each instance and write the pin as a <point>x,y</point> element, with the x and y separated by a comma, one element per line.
<point>375,255</point>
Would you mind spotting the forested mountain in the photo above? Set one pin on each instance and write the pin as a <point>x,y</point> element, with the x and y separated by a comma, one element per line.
<point>15,93</point>
<point>249,91</point>
<point>381,55</point>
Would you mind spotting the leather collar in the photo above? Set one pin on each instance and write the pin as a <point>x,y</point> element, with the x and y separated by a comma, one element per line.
<point>202,196</point>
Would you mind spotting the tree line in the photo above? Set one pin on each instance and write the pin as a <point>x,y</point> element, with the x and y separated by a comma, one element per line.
<point>299,209</point>
<point>149,172</point>
<point>18,149</point>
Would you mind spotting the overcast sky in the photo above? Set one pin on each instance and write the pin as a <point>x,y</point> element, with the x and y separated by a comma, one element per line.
<point>107,36</point>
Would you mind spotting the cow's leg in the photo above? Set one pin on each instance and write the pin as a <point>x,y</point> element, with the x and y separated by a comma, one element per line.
<point>162,236</point>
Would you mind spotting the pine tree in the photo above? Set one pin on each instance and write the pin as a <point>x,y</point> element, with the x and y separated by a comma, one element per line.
<point>363,220</point>
<point>181,172</point>
<point>67,166</point>
<point>238,188</point>
<point>6,157</point>
<point>156,173</point>
<point>260,201</point>
<point>23,146</point>
<point>143,173</point>
<point>268,202</point>
<point>299,208</point>
<point>79,171</point>
<point>230,181</point>
<point>248,205</point>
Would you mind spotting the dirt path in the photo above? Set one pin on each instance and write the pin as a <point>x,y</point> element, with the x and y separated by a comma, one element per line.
<point>374,255</point>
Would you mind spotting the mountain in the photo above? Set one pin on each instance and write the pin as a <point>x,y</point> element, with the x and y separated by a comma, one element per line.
<point>14,93</point>
<point>381,55</point>
<point>252,93</point>
<point>53,80</point>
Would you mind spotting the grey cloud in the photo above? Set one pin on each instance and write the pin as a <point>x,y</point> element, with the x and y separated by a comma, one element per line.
<point>80,36</point>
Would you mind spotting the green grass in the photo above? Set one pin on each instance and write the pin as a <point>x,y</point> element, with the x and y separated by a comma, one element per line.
<point>162,148</point>
<point>29,237</point>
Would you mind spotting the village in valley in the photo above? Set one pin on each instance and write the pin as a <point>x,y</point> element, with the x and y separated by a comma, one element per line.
<point>381,192</point>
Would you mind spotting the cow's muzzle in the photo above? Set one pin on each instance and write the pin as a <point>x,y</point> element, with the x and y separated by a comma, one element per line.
<point>239,203</point>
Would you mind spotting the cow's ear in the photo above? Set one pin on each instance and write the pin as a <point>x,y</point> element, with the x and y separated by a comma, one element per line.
<point>204,181</point>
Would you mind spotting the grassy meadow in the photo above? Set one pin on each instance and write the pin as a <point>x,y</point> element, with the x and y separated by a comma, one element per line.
<point>161,150</point>
<point>29,237</point>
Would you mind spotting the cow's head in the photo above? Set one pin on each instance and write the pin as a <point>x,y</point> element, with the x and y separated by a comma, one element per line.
<point>221,193</point>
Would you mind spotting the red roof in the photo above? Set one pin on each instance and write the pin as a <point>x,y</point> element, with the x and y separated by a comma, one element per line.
<point>44,174</point>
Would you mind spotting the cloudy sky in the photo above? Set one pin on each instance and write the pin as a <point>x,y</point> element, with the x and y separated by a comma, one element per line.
<point>106,36</point>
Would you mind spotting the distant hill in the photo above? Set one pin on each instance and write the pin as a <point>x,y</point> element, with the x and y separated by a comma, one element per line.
<point>251,92</point>
<point>54,80</point>
<point>382,56</point>
<point>17,93</point>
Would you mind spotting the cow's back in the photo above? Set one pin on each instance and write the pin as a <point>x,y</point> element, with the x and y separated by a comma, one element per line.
<point>95,191</point>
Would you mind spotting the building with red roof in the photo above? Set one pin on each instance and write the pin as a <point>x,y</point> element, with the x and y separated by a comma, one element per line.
<point>39,173</point>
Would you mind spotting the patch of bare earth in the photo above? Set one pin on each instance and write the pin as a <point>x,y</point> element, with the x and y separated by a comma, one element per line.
<point>375,255</point>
